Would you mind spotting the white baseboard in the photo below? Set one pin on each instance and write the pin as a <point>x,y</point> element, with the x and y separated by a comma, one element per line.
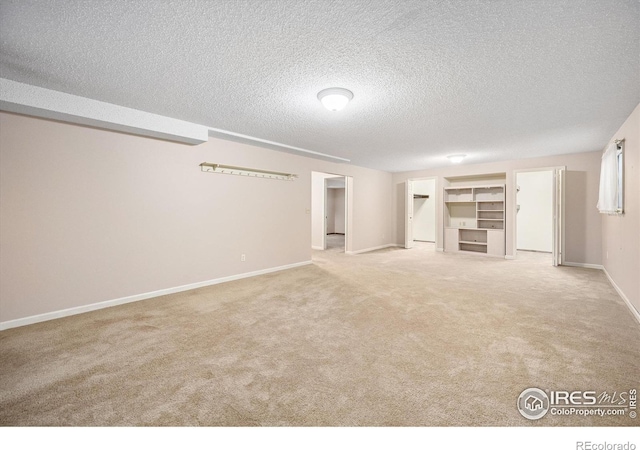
<point>633,310</point>
<point>370,249</point>
<point>583,265</point>
<point>135,298</point>
<point>315,247</point>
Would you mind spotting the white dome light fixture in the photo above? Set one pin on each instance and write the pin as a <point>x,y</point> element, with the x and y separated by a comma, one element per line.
<point>335,99</point>
<point>456,159</point>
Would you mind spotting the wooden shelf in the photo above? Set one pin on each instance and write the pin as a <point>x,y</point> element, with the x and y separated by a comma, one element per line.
<point>472,248</point>
<point>492,226</point>
<point>488,194</point>
<point>473,243</point>
<point>458,194</point>
<point>490,206</point>
<point>474,219</point>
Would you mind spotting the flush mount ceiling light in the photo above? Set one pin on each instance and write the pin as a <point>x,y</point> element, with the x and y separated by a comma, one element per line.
<point>334,99</point>
<point>456,158</point>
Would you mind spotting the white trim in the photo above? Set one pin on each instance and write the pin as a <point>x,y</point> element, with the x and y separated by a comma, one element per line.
<point>632,308</point>
<point>583,265</point>
<point>239,137</point>
<point>513,207</point>
<point>371,249</point>
<point>40,102</point>
<point>35,101</point>
<point>409,205</point>
<point>135,298</point>
<point>348,213</point>
<point>315,247</point>
<point>325,202</point>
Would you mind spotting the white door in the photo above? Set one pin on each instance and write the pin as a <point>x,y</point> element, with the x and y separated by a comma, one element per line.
<point>408,219</point>
<point>325,214</point>
<point>558,217</point>
<point>348,214</point>
<point>424,210</point>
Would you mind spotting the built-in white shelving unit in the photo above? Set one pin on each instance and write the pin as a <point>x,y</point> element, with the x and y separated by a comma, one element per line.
<point>474,219</point>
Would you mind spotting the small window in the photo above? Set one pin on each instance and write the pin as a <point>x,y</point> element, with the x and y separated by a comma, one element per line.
<point>611,195</point>
<point>620,167</point>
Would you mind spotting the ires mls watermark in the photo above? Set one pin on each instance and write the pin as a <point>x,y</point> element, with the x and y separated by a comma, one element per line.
<point>534,403</point>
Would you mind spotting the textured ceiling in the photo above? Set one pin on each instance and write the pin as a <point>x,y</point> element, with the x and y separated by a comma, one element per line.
<point>493,79</point>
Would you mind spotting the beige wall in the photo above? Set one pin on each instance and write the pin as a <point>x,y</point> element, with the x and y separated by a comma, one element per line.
<point>89,215</point>
<point>337,209</point>
<point>331,211</point>
<point>583,224</point>
<point>621,234</point>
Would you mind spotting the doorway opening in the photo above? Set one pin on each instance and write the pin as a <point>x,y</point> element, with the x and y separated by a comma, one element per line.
<point>420,221</point>
<point>539,224</point>
<point>329,211</point>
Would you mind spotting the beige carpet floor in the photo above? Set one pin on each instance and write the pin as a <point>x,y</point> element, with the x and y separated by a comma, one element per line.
<point>389,338</point>
<point>335,242</point>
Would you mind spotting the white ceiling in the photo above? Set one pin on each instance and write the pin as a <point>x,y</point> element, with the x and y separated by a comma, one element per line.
<point>495,79</point>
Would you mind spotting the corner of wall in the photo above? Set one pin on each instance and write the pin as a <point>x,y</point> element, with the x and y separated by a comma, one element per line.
<point>620,236</point>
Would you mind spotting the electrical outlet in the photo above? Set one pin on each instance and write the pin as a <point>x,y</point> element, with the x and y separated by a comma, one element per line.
<point>243,257</point>
<point>307,211</point>
<point>607,254</point>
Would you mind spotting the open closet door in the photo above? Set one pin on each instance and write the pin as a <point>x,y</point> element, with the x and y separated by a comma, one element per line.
<point>558,216</point>
<point>324,213</point>
<point>408,218</point>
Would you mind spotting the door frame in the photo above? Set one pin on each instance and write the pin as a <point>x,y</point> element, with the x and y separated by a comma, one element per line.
<point>325,194</point>
<point>348,209</point>
<point>559,177</point>
<point>408,209</point>
<point>558,205</point>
